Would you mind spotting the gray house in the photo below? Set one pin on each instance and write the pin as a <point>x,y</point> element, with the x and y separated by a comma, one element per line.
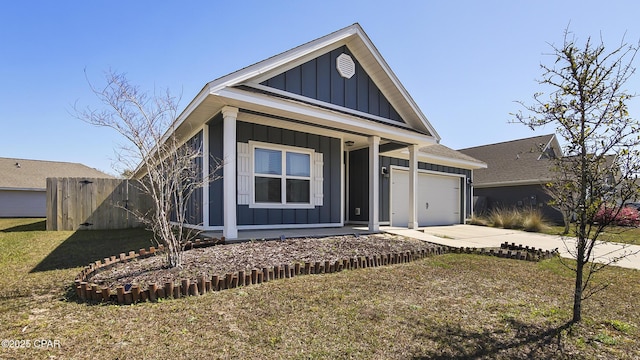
<point>322,135</point>
<point>23,184</point>
<point>516,175</point>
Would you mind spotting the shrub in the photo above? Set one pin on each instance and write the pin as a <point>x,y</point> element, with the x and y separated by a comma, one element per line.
<point>496,217</point>
<point>476,220</point>
<point>627,216</point>
<point>505,218</point>
<point>532,220</point>
<point>511,219</point>
<point>528,220</point>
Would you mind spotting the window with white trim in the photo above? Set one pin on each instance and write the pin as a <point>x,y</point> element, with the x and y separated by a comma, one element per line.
<point>278,176</point>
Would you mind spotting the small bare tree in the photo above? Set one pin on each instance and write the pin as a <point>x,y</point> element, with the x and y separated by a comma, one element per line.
<point>169,170</point>
<point>587,103</point>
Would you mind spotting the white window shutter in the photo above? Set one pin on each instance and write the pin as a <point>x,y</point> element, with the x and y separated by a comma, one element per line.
<point>318,180</point>
<point>244,174</point>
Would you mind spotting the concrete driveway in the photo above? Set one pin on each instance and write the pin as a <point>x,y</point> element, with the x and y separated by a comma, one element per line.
<point>482,236</point>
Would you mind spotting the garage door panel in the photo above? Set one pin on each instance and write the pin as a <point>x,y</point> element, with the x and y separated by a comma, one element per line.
<point>438,199</point>
<point>442,200</point>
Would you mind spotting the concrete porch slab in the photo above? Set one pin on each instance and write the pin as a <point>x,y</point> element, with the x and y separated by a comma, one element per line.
<point>270,234</point>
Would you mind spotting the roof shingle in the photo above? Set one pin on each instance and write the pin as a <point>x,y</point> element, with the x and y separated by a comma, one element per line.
<point>517,161</point>
<point>33,174</point>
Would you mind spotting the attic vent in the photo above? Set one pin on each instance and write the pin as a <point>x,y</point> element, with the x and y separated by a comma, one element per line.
<point>345,65</point>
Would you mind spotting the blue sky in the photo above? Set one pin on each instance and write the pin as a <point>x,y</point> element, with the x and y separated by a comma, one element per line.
<point>463,62</point>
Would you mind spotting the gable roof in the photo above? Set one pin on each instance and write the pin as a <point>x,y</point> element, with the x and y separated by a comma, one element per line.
<point>438,154</point>
<point>232,89</point>
<point>23,174</point>
<point>516,162</point>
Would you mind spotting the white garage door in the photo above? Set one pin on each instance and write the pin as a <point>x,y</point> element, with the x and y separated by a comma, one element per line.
<point>438,199</point>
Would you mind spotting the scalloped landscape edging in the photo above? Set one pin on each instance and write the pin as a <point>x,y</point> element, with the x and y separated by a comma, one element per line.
<point>93,293</point>
<point>511,251</point>
<point>87,291</point>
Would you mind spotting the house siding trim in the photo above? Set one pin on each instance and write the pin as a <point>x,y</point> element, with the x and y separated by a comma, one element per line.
<point>206,168</point>
<point>229,129</point>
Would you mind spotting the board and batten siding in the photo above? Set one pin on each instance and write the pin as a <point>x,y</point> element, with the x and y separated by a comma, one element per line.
<point>328,213</point>
<point>216,187</point>
<point>319,79</point>
<point>359,184</point>
<point>193,213</point>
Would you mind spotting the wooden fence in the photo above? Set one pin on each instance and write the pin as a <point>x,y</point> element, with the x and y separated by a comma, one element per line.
<point>92,203</point>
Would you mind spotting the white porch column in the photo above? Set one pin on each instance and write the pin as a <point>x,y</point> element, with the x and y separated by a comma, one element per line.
<point>374,183</point>
<point>205,175</point>
<point>413,187</point>
<point>229,115</point>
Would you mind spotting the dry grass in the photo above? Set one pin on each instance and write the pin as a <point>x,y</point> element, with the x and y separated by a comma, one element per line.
<point>451,306</point>
<point>534,221</point>
<point>528,219</point>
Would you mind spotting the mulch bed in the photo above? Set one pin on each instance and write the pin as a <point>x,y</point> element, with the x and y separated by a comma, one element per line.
<point>231,258</point>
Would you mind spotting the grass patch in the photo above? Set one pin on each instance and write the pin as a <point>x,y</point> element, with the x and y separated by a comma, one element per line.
<point>449,306</point>
<point>620,234</point>
<point>621,326</point>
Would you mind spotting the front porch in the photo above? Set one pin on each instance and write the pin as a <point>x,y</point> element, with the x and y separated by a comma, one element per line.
<point>270,234</point>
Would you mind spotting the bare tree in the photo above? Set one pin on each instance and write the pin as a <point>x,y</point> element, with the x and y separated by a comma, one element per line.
<point>587,102</point>
<point>169,170</point>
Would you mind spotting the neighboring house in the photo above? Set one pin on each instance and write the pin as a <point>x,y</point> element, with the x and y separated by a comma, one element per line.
<point>23,184</point>
<point>318,136</point>
<point>516,174</point>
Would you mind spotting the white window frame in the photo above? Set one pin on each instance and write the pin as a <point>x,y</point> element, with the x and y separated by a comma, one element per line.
<point>253,145</point>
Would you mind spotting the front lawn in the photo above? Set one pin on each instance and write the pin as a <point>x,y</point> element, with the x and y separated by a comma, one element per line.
<point>449,306</point>
<point>620,234</point>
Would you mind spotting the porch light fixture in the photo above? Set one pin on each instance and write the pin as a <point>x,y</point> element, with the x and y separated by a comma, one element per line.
<point>349,143</point>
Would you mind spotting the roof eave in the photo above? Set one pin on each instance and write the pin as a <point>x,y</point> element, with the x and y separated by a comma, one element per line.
<point>305,112</point>
<point>511,183</point>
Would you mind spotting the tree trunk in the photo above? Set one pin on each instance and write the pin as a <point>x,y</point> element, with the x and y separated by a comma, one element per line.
<point>577,294</point>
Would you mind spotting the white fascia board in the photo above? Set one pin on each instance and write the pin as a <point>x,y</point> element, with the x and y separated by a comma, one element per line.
<point>292,109</point>
<point>397,83</point>
<point>202,95</point>
<point>465,164</point>
<point>438,160</point>
<point>256,70</point>
<point>512,183</point>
